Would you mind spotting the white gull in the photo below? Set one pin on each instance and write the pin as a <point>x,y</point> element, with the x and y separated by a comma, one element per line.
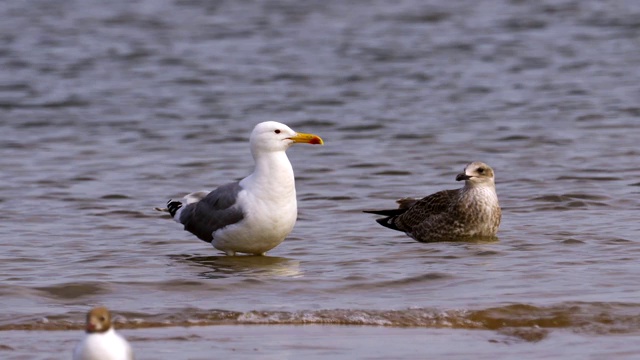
<point>101,341</point>
<point>255,214</point>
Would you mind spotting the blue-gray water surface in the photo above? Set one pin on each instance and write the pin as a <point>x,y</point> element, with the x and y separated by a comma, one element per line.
<point>108,109</point>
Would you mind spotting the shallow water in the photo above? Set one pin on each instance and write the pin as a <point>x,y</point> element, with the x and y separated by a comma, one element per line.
<point>322,342</point>
<point>109,109</point>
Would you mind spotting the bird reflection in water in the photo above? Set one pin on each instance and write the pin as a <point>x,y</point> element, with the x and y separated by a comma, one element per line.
<point>230,266</point>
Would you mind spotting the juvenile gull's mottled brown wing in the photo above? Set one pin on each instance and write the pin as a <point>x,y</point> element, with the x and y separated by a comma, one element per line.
<point>412,212</point>
<point>423,209</point>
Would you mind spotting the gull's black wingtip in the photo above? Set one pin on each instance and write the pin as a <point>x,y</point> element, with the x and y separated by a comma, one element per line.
<point>389,217</point>
<point>388,222</point>
<point>173,207</point>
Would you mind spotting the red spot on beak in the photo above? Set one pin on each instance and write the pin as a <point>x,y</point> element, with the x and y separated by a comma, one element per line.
<point>315,141</point>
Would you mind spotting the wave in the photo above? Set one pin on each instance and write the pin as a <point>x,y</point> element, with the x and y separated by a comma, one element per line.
<point>523,320</point>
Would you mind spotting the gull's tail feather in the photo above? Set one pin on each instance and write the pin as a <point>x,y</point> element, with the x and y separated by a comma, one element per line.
<point>389,220</point>
<point>173,206</point>
<point>392,212</point>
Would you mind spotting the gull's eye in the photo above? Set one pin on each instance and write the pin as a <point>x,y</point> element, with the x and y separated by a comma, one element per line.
<point>102,319</point>
<point>480,170</point>
<point>277,131</point>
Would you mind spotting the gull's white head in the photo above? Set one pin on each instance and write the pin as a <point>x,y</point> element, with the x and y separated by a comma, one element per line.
<point>477,174</point>
<point>270,136</point>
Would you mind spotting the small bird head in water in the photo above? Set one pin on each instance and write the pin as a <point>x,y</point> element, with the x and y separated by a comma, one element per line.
<point>477,173</point>
<point>98,320</point>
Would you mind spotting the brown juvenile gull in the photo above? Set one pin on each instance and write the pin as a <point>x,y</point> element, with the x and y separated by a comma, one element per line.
<point>470,212</point>
<point>255,214</point>
<point>101,341</point>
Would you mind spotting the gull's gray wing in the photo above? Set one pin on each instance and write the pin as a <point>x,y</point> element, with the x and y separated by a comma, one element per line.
<point>214,211</point>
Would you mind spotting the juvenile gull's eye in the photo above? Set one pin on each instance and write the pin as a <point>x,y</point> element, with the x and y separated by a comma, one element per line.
<point>277,131</point>
<point>481,170</point>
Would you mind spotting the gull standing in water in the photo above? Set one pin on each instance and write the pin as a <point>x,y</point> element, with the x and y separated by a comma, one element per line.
<point>101,341</point>
<point>255,214</point>
<point>470,212</point>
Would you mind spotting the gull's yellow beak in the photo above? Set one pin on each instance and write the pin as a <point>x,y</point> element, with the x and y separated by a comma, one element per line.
<point>307,139</point>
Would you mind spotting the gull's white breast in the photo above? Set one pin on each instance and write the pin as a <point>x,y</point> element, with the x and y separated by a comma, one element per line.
<point>268,219</point>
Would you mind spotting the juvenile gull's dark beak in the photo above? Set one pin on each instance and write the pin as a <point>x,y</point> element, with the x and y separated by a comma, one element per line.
<point>462,176</point>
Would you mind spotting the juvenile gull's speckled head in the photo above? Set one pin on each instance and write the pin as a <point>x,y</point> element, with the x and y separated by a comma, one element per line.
<point>477,174</point>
